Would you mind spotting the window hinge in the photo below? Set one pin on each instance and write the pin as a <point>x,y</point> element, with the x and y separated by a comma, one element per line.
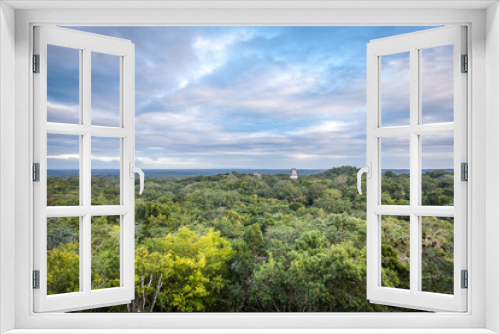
<point>36,63</point>
<point>465,279</point>
<point>464,171</point>
<point>36,172</point>
<point>465,64</point>
<point>36,279</point>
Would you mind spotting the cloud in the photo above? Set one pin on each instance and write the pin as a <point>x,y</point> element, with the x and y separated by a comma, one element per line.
<point>77,157</point>
<point>327,126</point>
<point>213,52</point>
<point>63,112</point>
<point>247,97</point>
<point>437,151</point>
<point>437,84</point>
<point>64,156</point>
<point>395,89</point>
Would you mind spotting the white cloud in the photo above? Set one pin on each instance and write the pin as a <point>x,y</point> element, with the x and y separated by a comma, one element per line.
<point>77,157</point>
<point>105,159</point>
<point>171,163</point>
<point>305,156</point>
<point>63,112</point>
<point>64,156</point>
<point>212,53</point>
<point>326,126</point>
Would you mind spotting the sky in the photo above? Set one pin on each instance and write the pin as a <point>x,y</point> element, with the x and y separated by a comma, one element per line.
<point>249,97</point>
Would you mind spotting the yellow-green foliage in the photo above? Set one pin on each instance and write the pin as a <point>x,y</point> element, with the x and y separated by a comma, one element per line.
<point>105,252</point>
<point>192,268</point>
<point>63,269</point>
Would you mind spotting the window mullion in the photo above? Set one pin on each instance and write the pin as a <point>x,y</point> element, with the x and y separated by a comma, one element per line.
<point>418,176</point>
<point>127,249</point>
<point>86,238</point>
<point>414,168</point>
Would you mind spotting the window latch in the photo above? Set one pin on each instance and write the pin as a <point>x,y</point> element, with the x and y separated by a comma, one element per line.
<point>132,171</point>
<point>368,171</point>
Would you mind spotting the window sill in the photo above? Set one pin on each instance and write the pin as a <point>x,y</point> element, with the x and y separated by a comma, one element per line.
<point>250,331</point>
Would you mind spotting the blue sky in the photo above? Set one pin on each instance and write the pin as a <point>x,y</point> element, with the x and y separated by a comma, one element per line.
<point>246,97</point>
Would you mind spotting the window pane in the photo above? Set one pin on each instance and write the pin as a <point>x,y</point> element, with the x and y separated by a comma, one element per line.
<point>105,252</point>
<point>63,85</point>
<point>395,252</point>
<point>437,169</point>
<point>437,255</point>
<point>395,89</point>
<point>105,90</point>
<point>63,170</point>
<point>105,171</point>
<point>437,84</point>
<point>63,257</point>
<point>395,163</point>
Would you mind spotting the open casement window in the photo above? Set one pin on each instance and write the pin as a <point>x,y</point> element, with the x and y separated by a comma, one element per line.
<point>416,122</point>
<point>89,231</point>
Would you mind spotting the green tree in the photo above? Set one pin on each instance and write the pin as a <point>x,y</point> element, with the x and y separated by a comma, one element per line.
<point>188,273</point>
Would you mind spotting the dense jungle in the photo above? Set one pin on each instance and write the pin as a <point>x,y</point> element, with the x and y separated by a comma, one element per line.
<point>244,243</point>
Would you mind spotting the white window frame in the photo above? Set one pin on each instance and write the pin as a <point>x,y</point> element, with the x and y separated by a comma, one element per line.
<point>484,81</point>
<point>413,43</point>
<point>86,44</point>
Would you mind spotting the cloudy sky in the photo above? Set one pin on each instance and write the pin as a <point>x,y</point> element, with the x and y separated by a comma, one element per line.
<point>248,97</point>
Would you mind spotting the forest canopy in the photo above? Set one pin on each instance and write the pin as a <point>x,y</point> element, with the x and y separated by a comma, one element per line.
<point>241,243</point>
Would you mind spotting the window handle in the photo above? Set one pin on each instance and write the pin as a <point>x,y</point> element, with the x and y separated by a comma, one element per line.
<point>368,171</point>
<point>139,171</point>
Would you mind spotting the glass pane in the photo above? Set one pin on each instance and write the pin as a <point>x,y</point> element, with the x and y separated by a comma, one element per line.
<point>63,257</point>
<point>437,84</point>
<point>105,252</point>
<point>437,255</point>
<point>437,169</point>
<point>105,171</point>
<point>63,170</point>
<point>395,163</point>
<point>395,251</point>
<point>63,85</point>
<point>395,89</point>
<point>105,90</point>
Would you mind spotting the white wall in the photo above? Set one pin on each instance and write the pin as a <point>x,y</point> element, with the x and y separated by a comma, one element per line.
<point>492,165</point>
<point>7,160</point>
<point>478,127</point>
